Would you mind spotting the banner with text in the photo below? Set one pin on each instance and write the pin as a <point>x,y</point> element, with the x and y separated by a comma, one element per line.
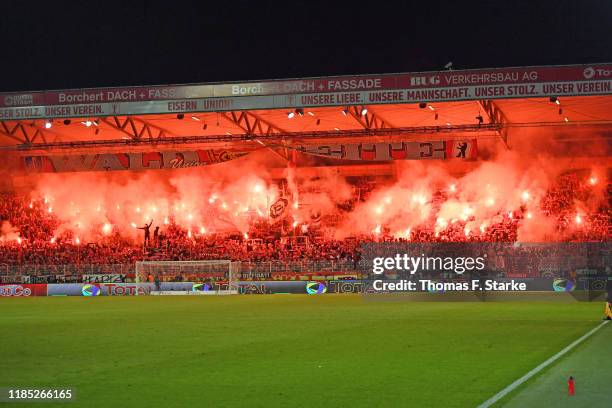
<point>25,289</point>
<point>580,288</point>
<point>387,151</point>
<point>127,161</point>
<point>105,278</point>
<point>522,82</point>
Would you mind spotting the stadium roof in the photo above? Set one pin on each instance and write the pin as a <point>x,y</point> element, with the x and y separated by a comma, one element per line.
<point>484,103</point>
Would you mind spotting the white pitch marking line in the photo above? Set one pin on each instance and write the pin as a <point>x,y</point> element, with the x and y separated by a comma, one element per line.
<point>539,368</point>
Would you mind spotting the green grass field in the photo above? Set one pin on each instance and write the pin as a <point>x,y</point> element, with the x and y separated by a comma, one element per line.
<point>279,350</point>
<point>591,366</point>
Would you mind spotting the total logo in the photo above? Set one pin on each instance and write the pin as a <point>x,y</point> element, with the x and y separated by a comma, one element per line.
<point>315,288</point>
<point>90,290</point>
<point>200,287</point>
<point>563,285</point>
<point>590,72</point>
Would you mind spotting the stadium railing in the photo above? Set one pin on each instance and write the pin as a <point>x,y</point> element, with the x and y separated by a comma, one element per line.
<point>301,266</point>
<point>17,273</point>
<point>62,270</point>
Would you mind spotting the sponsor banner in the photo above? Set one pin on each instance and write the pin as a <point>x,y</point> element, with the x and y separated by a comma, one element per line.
<point>127,161</point>
<point>112,289</point>
<point>105,278</point>
<point>399,96</point>
<point>497,76</point>
<point>559,285</point>
<point>526,82</point>
<point>319,287</point>
<point>433,285</point>
<point>33,289</point>
<point>136,289</point>
<point>22,99</point>
<point>386,151</point>
<point>192,293</point>
<point>581,289</point>
<point>269,287</point>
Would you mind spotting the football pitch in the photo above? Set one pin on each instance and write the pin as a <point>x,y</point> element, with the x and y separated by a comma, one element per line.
<point>299,350</point>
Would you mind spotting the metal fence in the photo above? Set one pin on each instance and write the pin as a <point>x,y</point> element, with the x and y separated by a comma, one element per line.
<point>59,273</point>
<point>65,270</point>
<point>303,266</point>
<point>72,272</point>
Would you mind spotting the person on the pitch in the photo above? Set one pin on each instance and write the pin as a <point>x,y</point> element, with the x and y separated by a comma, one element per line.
<point>608,311</point>
<point>147,233</point>
<point>570,387</point>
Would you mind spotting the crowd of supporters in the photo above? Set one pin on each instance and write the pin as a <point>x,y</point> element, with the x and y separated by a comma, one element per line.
<point>28,233</point>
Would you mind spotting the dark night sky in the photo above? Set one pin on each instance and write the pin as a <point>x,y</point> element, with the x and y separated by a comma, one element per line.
<point>50,45</point>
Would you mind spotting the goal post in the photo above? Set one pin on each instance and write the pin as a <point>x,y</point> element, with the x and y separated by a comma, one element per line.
<point>219,275</point>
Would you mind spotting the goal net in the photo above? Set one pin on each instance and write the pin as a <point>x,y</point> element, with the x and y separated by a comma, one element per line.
<point>217,275</point>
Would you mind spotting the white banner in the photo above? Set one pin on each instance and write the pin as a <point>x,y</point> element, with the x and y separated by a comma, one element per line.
<point>387,151</point>
<point>104,278</point>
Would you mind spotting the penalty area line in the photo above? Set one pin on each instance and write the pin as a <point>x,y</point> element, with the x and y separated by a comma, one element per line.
<point>539,368</point>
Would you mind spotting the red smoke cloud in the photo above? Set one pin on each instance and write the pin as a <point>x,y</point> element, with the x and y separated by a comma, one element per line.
<point>233,195</point>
